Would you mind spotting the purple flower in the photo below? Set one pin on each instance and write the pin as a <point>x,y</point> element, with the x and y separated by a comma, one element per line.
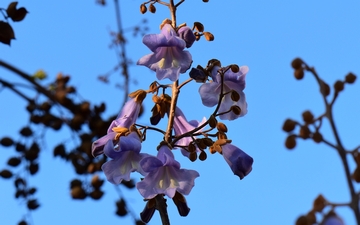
<point>165,176</point>
<point>125,158</point>
<point>239,162</point>
<point>181,126</point>
<point>210,92</point>
<point>333,220</point>
<point>168,58</point>
<point>187,35</point>
<point>125,119</point>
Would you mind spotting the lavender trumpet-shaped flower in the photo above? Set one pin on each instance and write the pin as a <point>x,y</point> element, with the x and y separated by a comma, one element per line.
<point>181,126</point>
<point>125,158</point>
<point>210,92</point>
<point>121,125</point>
<point>165,176</point>
<point>168,59</point>
<point>239,162</point>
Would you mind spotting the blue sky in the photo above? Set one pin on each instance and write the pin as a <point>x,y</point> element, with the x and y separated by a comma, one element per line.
<point>73,38</point>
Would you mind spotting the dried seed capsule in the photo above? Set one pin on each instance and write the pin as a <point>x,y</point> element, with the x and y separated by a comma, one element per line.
<point>296,63</point>
<point>289,125</point>
<point>212,121</point>
<point>152,8</point>
<point>290,142</point>
<point>350,78</point>
<point>304,132</point>
<point>221,127</point>
<point>143,8</point>
<point>202,156</point>
<point>339,86</point>
<point>235,96</point>
<point>299,74</point>
<point>307,116</point>
<point>317,137</point>
<point>209,36</point>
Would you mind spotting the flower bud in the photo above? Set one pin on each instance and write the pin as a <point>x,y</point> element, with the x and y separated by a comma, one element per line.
<point>236,109</point>
<point>350,78</point>
<point>299,74</point>
<point>198,27</point>
<point>221,127</point>
<point>198,75</point>
<point>208,142</point>
<point>304,132</point>
<point>152,8</point>
<point>234,68</point>
<point>192,156</point>
<point>356,175</point>
<point>202,156</point>
<point>143,8</point>
<point>212,121</point>
<point>290,142</point>
<point>187,35</point>
<point>235,96</point>
<point>324,88</point>
<point>317,137</point>
<point>339,86</point>
<point>319,203</point>
<point>289,125</point>
<point>296,63</point>
<point>307,116</point>
<point>209,36</point>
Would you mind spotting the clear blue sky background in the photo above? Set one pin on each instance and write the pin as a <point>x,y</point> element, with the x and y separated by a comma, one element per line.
<point>73,37</point>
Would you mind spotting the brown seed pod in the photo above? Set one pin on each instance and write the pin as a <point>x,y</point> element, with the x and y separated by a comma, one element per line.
<point>221,127</point>
<point>202,156</point>
<point>209,36</point>
<point>317,137</point>
<point>339,86</point>
<point>308,117</point>
<point>319,203</point>
<point>152,8</point>
<point>289,125</point>
<point>290,142</point>
<point>143,8</point>
<point>350,78</point>
<point>299,74</point>
<point>212,121</point>
<point>304,132</point>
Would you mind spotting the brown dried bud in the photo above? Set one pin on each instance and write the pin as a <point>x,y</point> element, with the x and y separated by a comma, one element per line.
<point>311,217</point>
<point>289,125</point>
<point>234,68</point>
<point>221,135</point>
<point>191,148</point>
<point>26,132</point>
<point>143,8</point>
<point>350,78</point>
<point>78,192</point>
<point>96,194</point>
<point>304,132</point>
<point>319,203</point>
<point>202,156</point>
<point>299,74</point>
<point>324,88</point>
<point>308,116</point>
<point>139,95</point>
<point>153,87</point>
<point>212,121</point>
<point>296,63</point>
<point>290,142</point>
<point>200,143</point>
<point>208,142</point>
<point>209,36</point>
<point>96,182</point>
<point>235,96</point>
<point>302,220</point>
<point>6,174</point>
<point>205,0</point>
<point>14,161</point>
<point>339,86</point>
<point>152,8</point>
<point>221,127</point>
<point>192,156</point>
<point>198,27</point>
<point>236,109</point>
<point>317,137</point>
<point>6,141</point>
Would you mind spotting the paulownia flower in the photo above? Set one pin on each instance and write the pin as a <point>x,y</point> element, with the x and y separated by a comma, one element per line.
<point>181,126</point>
<point>165,176</point>
<point>210,92</point>
<point>168,59</point>
<point>239,162</point>
<point>125,158</point>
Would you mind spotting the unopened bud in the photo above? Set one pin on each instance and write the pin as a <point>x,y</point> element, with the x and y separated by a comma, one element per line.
<point>139,95</point>
<point>319,203</point>
<point>221,127</point>
<point>202,156</point>
<point>304,132</point>
<point>339,86</point>
<point>198,27</point>
<point>143,8</point>
<point>234,68</point>
<point>212,121</point>
<point>356,175</point>
<point>317,137</point>
<point>191,148</point>
<point>235,96</point>
<point>290,142</point>
<point>152,8</point>
<point>289,125</point>
<point>209,36</point>
<point>299,74</point>
<point>208,142</point>
<point>324,88</point>
<point>192,156</point>
<point>307,116</point>
<point>236,109</point>
<point>296,63</point>
<point>350,78</point>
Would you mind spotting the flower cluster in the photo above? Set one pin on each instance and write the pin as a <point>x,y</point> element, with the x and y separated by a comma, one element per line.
<point>162,174</point>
